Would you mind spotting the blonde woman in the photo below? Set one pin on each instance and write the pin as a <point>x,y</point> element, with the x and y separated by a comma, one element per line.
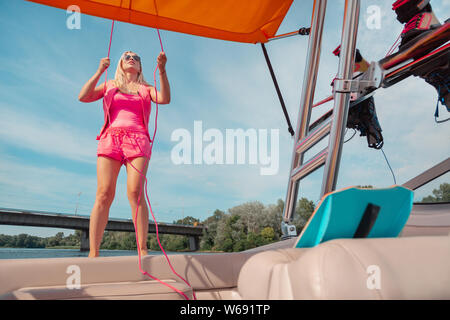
<point>123,139</point>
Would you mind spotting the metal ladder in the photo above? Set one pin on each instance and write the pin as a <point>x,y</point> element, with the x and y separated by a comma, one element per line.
<point>333,123</point>
<point>307,136</point>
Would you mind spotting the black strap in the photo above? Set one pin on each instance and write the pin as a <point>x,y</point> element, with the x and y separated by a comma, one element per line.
<point>278,90</point>
<point>367,221</point>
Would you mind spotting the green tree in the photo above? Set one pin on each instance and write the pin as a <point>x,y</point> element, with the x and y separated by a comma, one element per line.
<point>229,231</point>
<point>303,212</point>
<point>210,230</point>
<point>253,240</point>
<point>226,245</point>
<point>172,242</point>
<point>250,225</point>
<point>442,194</point>
<point>20,240</point>
<point>250,214</point>
<point>152,242</point>
<point>5,240</point>
<point>272,217</point>
<point>187,220</point>
<point>267,234</point>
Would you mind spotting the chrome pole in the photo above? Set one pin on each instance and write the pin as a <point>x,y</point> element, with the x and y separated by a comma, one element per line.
<point>341,95</point>
<point>309,85</point>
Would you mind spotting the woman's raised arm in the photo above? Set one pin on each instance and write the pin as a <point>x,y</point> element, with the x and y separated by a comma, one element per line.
<point>90,93</point>
<point>164,94</point>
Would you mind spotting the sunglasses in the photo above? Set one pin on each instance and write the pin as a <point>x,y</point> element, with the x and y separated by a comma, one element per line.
<point>135,57</point>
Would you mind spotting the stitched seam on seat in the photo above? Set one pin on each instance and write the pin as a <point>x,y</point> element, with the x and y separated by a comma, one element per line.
<point>289,259</point>
<point>286,275</point>
<point>281,256</point>
<point>321,271</point>
<point>269,285</point>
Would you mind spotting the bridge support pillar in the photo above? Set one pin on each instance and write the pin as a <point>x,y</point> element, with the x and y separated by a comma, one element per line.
<point>84,240</point>
<point>194,243</point>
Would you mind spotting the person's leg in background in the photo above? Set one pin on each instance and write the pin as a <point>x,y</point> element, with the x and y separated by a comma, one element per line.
<point>107,172</point>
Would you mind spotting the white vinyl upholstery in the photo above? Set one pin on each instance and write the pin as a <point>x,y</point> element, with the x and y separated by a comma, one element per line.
<point>408,268</point>
<point>212,276</point>
<point>385,268</point>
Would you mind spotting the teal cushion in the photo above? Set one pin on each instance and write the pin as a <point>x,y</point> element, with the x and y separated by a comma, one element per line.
<point>339,214</point>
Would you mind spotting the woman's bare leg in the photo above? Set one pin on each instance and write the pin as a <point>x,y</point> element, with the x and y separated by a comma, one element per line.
<point>136,182</point>
<point>107,172</point>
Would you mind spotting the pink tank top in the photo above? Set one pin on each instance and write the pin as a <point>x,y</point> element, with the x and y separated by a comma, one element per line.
<point>126,111</point>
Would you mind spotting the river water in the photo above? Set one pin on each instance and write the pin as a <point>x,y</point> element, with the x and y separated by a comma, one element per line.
<point>30,253</point>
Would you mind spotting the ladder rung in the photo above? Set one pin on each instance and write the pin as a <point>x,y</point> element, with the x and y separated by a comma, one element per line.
<point>315,136</point>
<point>316,162</point>
<point>319,121</point>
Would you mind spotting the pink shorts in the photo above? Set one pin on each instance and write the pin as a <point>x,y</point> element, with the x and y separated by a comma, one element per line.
<point>122,143</point>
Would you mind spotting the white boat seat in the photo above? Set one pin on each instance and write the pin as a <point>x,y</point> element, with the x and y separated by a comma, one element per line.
<point>213,276</point>
<point>382,268</point>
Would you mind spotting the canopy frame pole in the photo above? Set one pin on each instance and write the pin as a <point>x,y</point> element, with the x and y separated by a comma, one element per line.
<point>341,95</point>
<point>306,102</point>
<point>277,88</point>
<point>302,32</point>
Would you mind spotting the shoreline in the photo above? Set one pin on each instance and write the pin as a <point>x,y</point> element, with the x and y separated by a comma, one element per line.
<point>78,248</point>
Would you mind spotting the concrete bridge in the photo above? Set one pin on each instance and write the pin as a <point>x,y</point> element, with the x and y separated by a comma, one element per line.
<point>21,217</point>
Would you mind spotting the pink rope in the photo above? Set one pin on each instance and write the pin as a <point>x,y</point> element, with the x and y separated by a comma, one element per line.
<point>394,46</point>
<point>109,50</point>
<point>140,189</point>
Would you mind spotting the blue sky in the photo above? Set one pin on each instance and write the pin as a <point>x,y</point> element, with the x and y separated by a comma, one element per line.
<point>48,138</point>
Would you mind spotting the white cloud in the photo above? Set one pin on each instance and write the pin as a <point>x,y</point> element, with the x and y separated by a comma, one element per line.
<point>41,135</point>
<point>41,188</point>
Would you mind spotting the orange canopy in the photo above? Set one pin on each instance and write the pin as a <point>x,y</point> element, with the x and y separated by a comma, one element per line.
<point>248,21</point>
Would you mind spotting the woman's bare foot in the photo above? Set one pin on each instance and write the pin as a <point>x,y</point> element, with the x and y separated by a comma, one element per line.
<point>93,254</point>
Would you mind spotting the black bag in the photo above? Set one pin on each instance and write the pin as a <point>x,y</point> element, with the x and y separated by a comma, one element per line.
<point>363,117</point>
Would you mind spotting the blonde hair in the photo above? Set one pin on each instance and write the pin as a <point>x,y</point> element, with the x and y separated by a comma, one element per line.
<point>119,77</point>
